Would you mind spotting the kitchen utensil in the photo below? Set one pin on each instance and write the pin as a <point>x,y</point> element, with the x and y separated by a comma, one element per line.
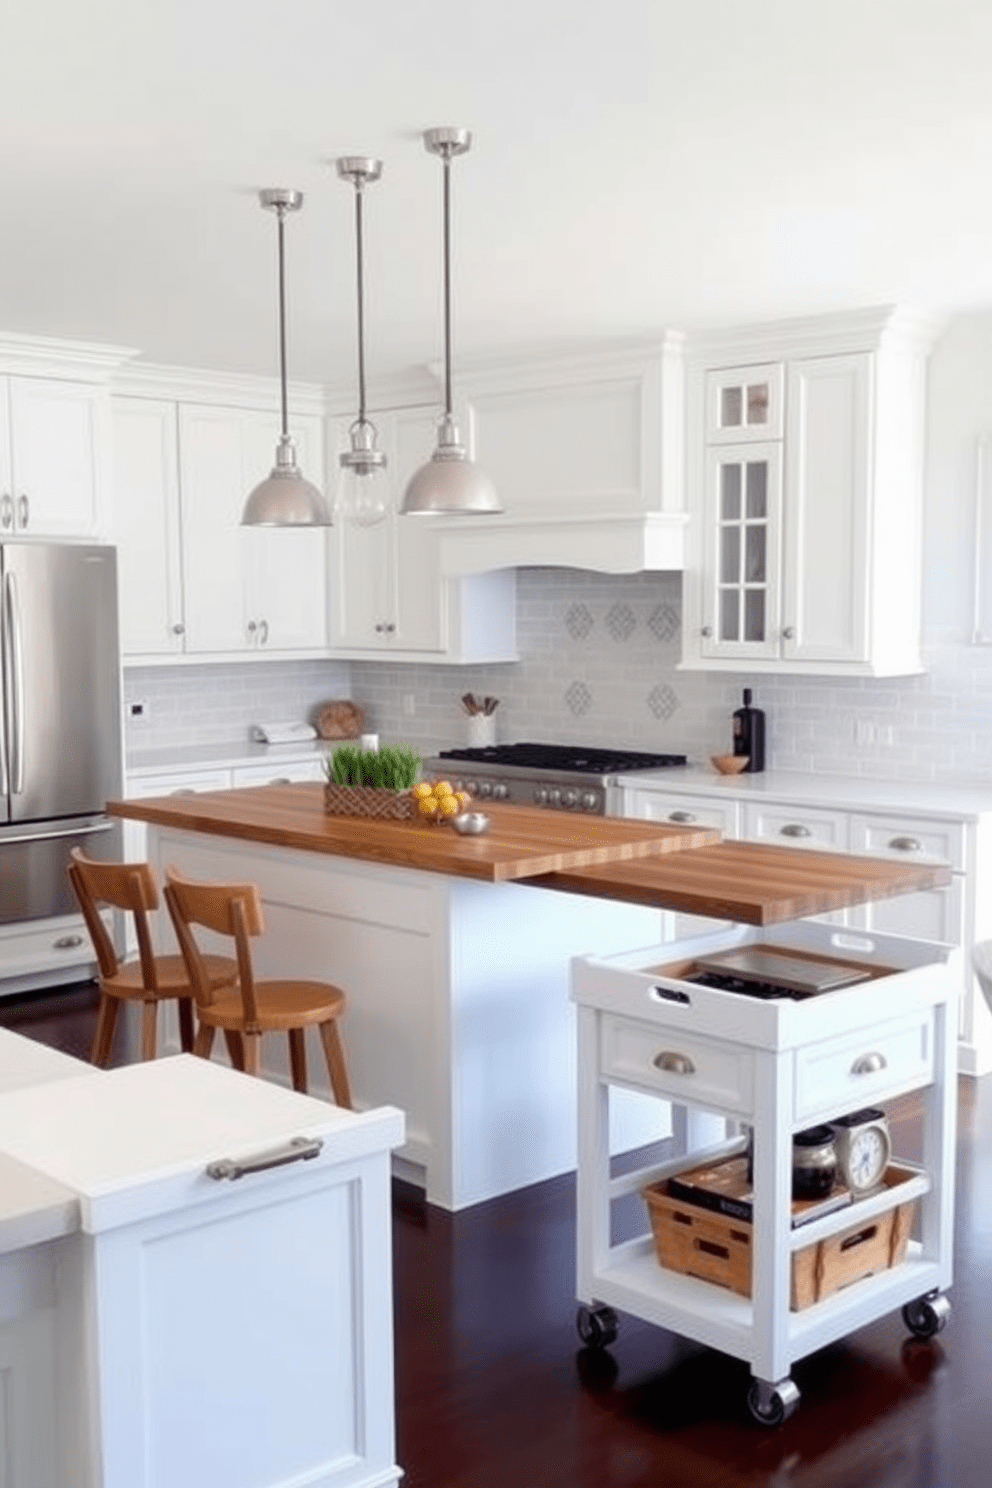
<point>729,764</point>
<point>470,823</point>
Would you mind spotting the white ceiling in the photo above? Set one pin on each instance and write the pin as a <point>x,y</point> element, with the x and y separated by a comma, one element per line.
<point>637,164</point>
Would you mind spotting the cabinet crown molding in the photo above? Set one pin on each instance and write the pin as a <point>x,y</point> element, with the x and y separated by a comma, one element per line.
<point>227,389</point>
<point>50,356</point>
<point>619,360</point>
<point>878,327</point>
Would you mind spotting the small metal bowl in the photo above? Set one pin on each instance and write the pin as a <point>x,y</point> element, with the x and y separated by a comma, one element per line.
<point>470,823</point>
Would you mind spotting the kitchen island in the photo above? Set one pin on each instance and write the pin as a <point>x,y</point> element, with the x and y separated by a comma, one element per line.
<point>455,952</point>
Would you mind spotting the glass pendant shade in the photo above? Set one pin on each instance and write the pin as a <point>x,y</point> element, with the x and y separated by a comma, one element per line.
<point>285,498</point>
<point>450,484</point>
<point>363,489</point>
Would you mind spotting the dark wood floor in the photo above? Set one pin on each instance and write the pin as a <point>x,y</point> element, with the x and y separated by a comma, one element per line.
<point>493,1390</point>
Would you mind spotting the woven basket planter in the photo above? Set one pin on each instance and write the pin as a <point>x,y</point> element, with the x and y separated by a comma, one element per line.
<point>368,800</point>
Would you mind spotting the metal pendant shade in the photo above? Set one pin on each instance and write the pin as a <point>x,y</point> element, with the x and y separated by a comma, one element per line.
<point>450,484</point>
<point>285,498</point>
<point>363,490</point>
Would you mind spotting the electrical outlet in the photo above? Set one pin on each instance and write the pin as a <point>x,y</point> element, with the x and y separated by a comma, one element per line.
<point>137,710</point>
<point>409,705</point>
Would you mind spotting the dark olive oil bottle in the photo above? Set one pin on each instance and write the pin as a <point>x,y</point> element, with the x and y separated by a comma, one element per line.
<point>749,734</point>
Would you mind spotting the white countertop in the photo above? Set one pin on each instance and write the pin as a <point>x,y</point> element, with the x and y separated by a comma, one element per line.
<point>230,755</point>
<point>850,792</point>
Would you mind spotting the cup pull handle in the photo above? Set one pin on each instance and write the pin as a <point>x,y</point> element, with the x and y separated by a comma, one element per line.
<point>674,1064</point>
<point>869,1064</point>
<point>906,844</point>
<point>794,829</point>
<point>681,816</point>
<point>298,1149</point>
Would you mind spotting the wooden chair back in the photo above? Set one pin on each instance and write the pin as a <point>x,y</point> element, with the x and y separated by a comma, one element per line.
<point>228,909</point>
<point>127,886</point>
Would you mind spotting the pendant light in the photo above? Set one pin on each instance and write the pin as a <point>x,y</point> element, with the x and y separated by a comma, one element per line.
<point>285,498</point>
<point>363,491</point>
<point>450,483</point>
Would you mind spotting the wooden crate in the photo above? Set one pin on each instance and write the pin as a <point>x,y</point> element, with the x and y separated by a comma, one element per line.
<point>717,1248</point>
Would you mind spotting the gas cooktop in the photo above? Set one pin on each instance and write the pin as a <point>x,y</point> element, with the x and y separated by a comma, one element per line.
<point>580,758</point>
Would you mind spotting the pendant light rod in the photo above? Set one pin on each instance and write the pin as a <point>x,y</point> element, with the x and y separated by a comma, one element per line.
<point>279,200</point>
<point>360,170</point>
<point>447,142</point>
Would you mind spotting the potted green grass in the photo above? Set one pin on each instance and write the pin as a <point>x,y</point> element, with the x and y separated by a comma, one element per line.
<point>371,782</point>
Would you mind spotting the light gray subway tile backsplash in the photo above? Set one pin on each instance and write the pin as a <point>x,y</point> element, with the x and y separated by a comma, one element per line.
<point>599,665</point>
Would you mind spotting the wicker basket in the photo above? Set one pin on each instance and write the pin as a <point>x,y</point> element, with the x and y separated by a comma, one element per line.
<point>368,800</point>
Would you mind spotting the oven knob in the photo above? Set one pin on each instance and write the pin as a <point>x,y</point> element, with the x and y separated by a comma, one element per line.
<point>589,800</point>
<point>458,784</point>
<point>485,789</point>
<point>500,792</point>
<point>540,796</point>
<point>569,798</point>
<point>554,796</point>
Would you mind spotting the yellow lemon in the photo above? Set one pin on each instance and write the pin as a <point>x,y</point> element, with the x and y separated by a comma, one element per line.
<point>426,805</point>
<point>422,790</point>
<point>449,806</point>
<point>464,797</point>
<point>442,788</point>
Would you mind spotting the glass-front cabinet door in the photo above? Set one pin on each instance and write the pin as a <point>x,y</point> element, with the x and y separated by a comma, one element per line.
<point>743,561</point>
<point>744,404</point>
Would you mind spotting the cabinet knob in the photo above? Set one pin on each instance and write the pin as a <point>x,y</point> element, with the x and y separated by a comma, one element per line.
<point>794,829</point>
<point>252,628</point>
<point>681,816</point>
<point>869,1064</point>
<point>263,631</point>
<point>6,510</point>
<point>906,844</point>
<point>707,630</point>
<point>674,1064</point>
<point>179,629</point>
<point>788,631</point>
<point>23,510</point>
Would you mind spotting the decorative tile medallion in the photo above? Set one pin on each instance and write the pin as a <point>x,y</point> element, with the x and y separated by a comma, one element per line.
<point>621,622</point>
<point>664,622</point>
<point>662,701</point>
<point>579,621</point>
<point>578,698</point>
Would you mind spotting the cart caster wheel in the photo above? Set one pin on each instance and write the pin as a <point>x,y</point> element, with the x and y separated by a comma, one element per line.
<point>927,1315</point>
<point>770,1405</point>
<point>596,1326</point>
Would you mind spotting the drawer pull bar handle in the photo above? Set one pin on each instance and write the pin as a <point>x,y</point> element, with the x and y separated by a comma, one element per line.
<point>674,1064</point>
<point>868,1064</point>
<point>906,844</point>
<point>681,816</point>
<point>299,1149</point>
<point>794,829</point>
<point>670,994</point>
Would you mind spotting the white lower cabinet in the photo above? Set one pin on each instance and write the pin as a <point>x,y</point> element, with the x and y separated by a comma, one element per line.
<point>224,1313</point>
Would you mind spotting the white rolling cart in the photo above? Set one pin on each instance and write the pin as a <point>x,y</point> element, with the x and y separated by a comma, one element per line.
<point>778,1066</point>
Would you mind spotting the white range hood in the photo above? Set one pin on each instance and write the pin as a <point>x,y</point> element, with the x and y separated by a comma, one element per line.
<point>611,543</point>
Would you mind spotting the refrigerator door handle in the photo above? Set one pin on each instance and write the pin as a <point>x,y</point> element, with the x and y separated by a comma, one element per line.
<point>4,781</point>
<point>16,676</point>
<point>77,830</point>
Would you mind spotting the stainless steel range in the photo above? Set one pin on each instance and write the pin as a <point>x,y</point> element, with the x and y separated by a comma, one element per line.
<point>561,776</point>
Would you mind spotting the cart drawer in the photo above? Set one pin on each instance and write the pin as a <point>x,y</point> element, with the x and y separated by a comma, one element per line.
<point>855,1069</point>
<point>689,1070</point>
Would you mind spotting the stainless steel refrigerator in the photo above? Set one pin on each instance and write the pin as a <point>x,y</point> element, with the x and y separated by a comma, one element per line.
<point>60,719</point>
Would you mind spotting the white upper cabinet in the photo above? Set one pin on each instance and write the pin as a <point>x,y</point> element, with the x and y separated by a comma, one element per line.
<point>53,457</point>
<point>805,488</point>
<point>146,527</point>
<point>193,581</point>
<point>388,595</point>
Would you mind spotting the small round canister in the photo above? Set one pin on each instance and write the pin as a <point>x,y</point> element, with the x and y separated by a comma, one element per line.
<point>814,1163</point>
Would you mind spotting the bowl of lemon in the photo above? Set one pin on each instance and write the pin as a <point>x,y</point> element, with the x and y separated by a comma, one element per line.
<point>437,801</point>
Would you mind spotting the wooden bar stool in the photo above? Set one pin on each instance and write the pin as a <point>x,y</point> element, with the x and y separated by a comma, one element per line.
<point>254,1007</point>
<point>150,979</point>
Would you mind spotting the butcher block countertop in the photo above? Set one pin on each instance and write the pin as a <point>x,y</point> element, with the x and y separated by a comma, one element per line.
<point>754,883</point>
<point>521,841</point>
<point>658,864</point>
